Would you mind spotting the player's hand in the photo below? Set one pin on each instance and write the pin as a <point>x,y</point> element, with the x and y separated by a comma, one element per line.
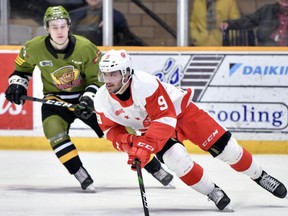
<point>14,93</point>
<point>140,150</point>
<point>123,142</point>
<point>85,108</point>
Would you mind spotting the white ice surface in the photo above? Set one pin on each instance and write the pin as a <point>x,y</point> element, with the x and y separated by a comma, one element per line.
<point>35,183</point>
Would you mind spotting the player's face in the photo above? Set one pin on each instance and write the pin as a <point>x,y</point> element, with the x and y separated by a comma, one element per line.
<point>113,81</point>
<point>58,30</point>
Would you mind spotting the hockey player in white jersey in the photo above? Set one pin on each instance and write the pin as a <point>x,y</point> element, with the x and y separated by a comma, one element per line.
<point>162,112</point>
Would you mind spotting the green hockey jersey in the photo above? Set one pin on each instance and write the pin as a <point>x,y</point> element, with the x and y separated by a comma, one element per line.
<point>61,72</point>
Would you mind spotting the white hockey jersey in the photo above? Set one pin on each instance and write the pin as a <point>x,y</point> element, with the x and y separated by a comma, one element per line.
<point>152,108</point>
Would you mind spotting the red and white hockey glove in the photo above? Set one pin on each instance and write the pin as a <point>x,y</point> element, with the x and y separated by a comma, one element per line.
<point>140,150</point>
<point>123,142</point>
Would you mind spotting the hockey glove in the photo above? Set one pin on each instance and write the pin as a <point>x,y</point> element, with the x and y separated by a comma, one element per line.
<point>17,87</point>
<point>85,108</point>
<point>140,150</point>
<point>123,142</point>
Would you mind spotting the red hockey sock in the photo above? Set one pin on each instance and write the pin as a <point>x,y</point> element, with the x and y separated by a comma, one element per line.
<point>193,176</point>
<point>244,163</point>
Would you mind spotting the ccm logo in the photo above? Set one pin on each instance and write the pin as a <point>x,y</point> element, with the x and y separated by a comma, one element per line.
<point>146,146</point>
<point>210,138</point>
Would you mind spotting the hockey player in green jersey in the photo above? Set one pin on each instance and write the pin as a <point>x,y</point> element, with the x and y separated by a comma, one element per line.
<point>69,72</point>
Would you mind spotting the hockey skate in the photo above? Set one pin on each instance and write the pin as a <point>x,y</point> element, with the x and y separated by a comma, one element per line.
<point>85,180</point>
<point>163,177</point>
<point>272,185</point>
<point>220,198</point>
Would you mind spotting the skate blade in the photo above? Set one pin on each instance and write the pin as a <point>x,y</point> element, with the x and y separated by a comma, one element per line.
<point>171,185</point>
<point>90,189</point>
<point>228,208</point>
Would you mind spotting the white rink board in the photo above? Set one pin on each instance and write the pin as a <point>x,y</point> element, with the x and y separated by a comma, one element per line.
<point>245,91</point>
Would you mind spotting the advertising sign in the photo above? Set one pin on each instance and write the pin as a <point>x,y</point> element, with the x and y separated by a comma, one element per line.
<point>246,92</point>
<point>13,116</point>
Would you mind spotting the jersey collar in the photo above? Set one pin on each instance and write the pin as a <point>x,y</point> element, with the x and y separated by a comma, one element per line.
<point>68,52</point>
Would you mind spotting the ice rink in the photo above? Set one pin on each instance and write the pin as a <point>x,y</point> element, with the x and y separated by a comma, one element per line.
<point>35,183</point>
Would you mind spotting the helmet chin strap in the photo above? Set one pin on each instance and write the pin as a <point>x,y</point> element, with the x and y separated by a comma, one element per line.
<point>124,84</point>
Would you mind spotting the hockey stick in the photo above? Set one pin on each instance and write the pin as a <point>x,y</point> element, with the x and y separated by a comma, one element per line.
<point>61,103</point>
<point>142,188</point>
<point>51,102</point>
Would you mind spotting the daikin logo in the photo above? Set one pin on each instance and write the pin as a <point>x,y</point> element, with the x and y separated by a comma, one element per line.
<point>234,67</point>
<point>258,70</point>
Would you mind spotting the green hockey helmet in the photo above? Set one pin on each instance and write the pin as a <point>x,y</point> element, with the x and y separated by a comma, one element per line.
<point>54,13</point>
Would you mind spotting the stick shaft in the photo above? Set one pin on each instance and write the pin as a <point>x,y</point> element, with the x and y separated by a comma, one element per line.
<point>51,102</point>
<point>142,188</point>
